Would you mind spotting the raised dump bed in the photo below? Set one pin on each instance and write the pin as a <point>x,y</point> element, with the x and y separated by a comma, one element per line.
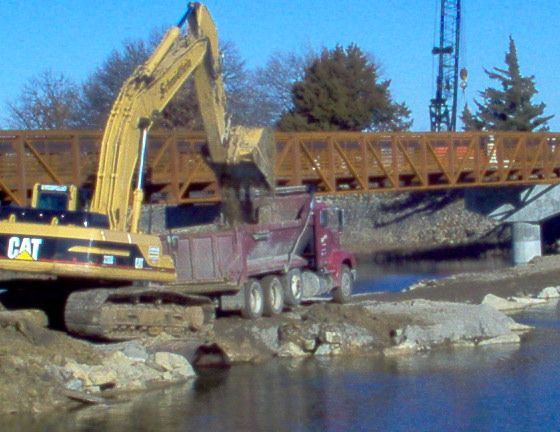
<point>293,246</point>
<point>229,257</point>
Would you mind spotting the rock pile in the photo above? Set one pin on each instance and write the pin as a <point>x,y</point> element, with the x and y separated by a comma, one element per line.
<point>120,372</point>
<point>366,327</point>
<point>405,221</point>
<point>514,303</point>
<point>443,323</point>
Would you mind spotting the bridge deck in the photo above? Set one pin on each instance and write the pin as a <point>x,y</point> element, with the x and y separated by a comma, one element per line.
<point>330,162</point>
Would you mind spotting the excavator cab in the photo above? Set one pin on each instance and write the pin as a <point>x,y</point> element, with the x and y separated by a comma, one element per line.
<point>54,197</point>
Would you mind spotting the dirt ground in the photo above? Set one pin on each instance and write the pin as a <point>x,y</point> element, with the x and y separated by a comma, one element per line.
<point>27,353</point>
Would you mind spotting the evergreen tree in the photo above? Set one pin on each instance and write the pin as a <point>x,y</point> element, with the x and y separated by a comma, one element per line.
<point>470,122</point>
<point>341,91</point>
<point>509,108</point>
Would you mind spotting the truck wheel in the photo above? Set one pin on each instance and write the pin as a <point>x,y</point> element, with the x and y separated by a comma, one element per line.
<point>273,296</point>
<point>293,287</point>
<point>343,293</point>
<point>253,300</point>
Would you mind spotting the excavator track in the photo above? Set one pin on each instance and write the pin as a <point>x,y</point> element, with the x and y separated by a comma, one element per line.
<point>133,312</point>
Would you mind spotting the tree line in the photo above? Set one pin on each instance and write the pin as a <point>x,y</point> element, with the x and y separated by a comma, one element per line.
<point>333,89</point>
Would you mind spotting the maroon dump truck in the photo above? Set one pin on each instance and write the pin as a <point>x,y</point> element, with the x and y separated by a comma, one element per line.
<point>291,252</point>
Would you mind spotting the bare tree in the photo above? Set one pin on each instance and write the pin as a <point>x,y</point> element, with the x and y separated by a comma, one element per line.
<point>47,101</point>
<point>183,110</point>
<point>237,82</point>
<point>260,97</point>
<point>102,87</point>
<point>273,84</point>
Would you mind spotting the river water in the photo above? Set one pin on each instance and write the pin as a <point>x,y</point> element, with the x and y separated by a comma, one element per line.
<point>399,276</point>
<point>506,387</point>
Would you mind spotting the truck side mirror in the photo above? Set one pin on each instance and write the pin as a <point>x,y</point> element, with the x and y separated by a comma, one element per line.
<point>341,219</point>
<point>324,218</point>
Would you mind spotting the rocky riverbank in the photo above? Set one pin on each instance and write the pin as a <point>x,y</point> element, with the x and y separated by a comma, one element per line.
<point>42,369</point>
<point>392,226</point>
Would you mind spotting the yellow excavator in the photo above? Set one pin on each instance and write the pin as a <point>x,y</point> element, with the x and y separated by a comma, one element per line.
<point>104,244</point>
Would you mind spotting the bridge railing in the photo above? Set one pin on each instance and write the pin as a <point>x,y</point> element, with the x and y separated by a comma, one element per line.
<point>340,162</point>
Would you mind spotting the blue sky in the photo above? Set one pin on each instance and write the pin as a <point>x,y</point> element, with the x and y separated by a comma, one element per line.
<point>75,36</point>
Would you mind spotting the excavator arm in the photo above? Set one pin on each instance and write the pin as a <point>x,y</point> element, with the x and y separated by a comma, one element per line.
<point>147,92</point>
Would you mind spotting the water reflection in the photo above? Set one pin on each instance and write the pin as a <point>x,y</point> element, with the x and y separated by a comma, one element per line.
<point>490,388</point>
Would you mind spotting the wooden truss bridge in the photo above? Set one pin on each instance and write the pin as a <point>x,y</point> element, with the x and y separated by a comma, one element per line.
<point>331,163</point>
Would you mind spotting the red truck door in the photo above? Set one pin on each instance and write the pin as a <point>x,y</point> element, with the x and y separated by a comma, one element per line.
<point>328,226</point>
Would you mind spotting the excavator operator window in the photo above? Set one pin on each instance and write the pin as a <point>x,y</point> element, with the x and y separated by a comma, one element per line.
<point>52,201</point>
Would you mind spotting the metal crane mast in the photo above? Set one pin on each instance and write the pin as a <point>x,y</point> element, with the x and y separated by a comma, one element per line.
<point>443,107</point>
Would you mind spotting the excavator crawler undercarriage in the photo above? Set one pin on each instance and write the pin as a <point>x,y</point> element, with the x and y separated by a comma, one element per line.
<point>132,312</point>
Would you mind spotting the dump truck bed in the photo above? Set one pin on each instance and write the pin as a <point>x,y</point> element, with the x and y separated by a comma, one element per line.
<point>223,259</point>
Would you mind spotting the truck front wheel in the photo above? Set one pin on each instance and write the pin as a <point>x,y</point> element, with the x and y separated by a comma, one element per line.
<point>253,304</point>
<point>293,287</point>
<point>343,293</point>
<point>273,296</point>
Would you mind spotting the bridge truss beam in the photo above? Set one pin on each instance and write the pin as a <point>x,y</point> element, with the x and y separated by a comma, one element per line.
<point>330,163</point>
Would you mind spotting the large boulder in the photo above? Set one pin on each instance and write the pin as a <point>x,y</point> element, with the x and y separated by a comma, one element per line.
<point>431,323</point>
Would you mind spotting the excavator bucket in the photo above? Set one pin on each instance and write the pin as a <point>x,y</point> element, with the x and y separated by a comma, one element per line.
<point>251,154</point>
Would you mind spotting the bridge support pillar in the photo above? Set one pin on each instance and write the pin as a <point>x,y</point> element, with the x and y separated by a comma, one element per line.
<point>526,242</point>
<point>525,208</point>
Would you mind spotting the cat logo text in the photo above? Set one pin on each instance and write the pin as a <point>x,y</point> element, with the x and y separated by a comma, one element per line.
<point>24,248</point>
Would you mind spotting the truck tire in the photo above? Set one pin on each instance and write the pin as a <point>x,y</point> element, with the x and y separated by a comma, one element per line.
<point>343,293</point>
<point>273,296</point>
<point>293,287</point>
<point>253,300</point>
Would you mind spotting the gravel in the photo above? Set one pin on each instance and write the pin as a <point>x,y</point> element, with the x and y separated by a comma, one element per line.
<point>417,221</point>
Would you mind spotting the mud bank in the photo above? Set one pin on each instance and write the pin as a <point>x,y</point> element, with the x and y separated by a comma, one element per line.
<point>41,369</point>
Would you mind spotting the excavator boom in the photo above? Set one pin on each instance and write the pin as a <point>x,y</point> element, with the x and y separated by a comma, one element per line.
<point>147,92</point>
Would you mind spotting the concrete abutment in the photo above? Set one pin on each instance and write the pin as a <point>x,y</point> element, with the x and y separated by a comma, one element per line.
<point>526,242</point>
<point>526,208</point>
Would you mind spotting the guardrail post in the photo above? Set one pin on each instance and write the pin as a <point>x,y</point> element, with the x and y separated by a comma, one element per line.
<point>76,166</point>
<point>297,176</point>
<point>332,173</point>
<point>19,147</point>
<point>365,167</point>
<point>174,159</point>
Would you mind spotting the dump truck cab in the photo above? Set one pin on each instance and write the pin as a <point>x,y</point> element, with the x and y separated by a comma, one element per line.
<point>330,256</point>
